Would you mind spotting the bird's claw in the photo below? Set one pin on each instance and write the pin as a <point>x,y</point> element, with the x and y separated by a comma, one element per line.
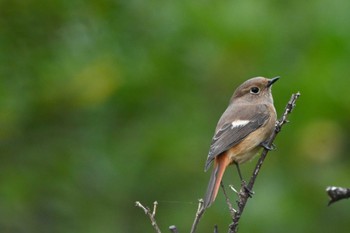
<point>267,147</point>
<point>247,190</point>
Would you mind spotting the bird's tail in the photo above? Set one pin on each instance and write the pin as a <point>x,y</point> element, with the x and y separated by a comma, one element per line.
<point>220,164</point>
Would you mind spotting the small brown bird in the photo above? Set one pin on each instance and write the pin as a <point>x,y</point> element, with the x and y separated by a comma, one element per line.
<point>242,130</point>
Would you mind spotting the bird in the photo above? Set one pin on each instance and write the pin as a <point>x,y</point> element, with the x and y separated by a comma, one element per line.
<point>242,130</point>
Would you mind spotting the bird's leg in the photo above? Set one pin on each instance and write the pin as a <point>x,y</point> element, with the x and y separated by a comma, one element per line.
<point>243,183</point>
<point>239,171</point>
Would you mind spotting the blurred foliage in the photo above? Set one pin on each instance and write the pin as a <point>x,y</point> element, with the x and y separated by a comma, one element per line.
<point>104,103</point>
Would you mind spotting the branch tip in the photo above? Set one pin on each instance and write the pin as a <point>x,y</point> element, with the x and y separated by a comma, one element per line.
<point>233,189</point>
<point>337,193</point>
<point>150,215</point>
<point>154,208</point>
<point>173,229</point>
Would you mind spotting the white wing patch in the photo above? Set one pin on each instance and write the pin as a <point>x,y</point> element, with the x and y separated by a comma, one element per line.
<point>239,123</point>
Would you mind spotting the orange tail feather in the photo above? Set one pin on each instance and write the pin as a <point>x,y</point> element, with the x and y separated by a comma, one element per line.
<point>220,164</point>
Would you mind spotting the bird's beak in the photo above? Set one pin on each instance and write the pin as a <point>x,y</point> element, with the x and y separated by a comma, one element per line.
<point>272,81</point>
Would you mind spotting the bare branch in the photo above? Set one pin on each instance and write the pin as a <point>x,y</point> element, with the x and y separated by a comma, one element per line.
<point>232,210</point>
<point>200,212</point>
<point>150,214</point>
<point>244,192</point>
<point>337,193</point>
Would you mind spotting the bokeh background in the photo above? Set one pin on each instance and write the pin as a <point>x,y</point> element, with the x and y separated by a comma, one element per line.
<point>104,103</point>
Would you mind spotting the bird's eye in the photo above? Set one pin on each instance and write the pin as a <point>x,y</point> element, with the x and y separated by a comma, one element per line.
<point>254,90</point>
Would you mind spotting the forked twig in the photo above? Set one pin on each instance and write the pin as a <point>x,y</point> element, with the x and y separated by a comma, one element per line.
<point>200,212</point>
<point>151,214</point>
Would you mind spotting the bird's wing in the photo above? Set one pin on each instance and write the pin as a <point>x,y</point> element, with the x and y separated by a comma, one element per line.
<point>233,131</point>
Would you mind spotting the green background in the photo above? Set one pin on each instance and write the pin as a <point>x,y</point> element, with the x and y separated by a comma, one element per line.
<point>104,103</point>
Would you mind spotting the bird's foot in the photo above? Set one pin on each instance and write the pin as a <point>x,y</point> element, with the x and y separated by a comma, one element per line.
<point>267,147</point>
<point>246,190</point>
